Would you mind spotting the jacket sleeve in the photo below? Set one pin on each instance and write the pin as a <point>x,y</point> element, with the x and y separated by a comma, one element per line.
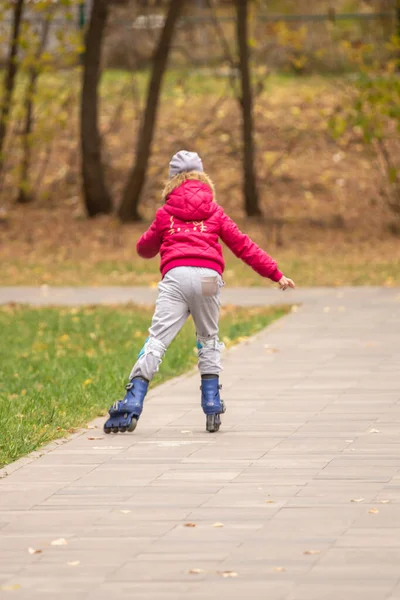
<point>149,244</point>
<point>247,250</point>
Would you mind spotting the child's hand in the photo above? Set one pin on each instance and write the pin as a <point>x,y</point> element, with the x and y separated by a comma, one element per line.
<point>285,282</point>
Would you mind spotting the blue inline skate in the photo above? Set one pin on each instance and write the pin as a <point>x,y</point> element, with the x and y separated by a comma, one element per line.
<point>211,402</point>
<point>124,414</point>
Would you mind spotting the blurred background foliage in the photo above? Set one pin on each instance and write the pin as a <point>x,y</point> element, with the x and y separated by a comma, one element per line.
<point>325,125</point>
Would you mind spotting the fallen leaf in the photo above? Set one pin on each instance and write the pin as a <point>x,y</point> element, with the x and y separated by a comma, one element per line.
<point>327,309</point>
<point>270,501</point>
<point>10,588</point>
<point>95,438</point>
<point>269,349</point>
<point>312,552</point>
<point>279,569</point>
<point>195,571</point>
<point>190,525</point>
<point>383,501</point>
<point>374,431</point>
<point>357,500</point>
<point>349,441</point>
<point>186,431</point>
<point>92,427</point>
<point>338,157</point>
<point>125,512</point>
<point>373,511</point>
<point>59,542</point>
<point>218,525</point>
<point>74,563</point>
<point>33,551</point>
<point>87,382</point>
<point>227,573</point>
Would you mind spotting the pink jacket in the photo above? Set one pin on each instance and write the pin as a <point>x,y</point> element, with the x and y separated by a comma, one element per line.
<point>187,229</point>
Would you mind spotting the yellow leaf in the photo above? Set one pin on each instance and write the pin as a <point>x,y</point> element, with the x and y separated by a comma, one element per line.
<point>63,338</point>
<point>87,382</point>
<point>373,511</point>
<point>10,588</point>
<point>195,571</point>
<point>190,525</point>
<point>269,349</point>
<point>59,542</point>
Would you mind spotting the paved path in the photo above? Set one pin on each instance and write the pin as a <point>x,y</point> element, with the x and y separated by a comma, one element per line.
<point>304,476</point>
<point>77,296</point>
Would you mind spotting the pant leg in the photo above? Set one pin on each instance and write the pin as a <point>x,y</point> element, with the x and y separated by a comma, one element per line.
<point>169,317</point>
<point>204,305</point>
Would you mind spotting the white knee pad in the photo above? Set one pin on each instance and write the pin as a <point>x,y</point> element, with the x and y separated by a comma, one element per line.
<point>149,359</point>
<point>154,347</point>
<point>207,344</point>
<point>209,351</point>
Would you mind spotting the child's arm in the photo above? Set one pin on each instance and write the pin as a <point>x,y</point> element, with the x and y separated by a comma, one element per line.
<point>248,251</point>
<point>149,244</point>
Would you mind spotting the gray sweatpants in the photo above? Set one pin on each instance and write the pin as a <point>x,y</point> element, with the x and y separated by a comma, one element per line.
<point>184,291</point>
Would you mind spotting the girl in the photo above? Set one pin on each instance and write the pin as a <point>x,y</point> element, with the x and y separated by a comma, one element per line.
<point>185,232</point>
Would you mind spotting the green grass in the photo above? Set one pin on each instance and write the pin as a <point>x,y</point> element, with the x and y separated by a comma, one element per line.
<point>199,81</point>
<point>178,83</point>
<point>59,368</point>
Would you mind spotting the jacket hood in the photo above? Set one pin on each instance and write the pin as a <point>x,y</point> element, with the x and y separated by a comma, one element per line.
<point>190,196</point>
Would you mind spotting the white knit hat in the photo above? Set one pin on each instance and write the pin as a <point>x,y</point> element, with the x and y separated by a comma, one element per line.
<point>185,161</point>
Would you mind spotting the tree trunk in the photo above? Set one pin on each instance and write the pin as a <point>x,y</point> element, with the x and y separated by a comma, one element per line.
<point>25,194</point>
<point>96,196</point>
<point>9,76</point>
<point>128,210</point>
<point>246,102</point>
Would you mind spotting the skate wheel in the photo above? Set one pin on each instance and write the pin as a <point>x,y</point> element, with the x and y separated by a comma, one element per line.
<point>114,429</point>
<point>122,429</point>
<point>213,422</point>
<point>132,425</point>
<point>107,429</point>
